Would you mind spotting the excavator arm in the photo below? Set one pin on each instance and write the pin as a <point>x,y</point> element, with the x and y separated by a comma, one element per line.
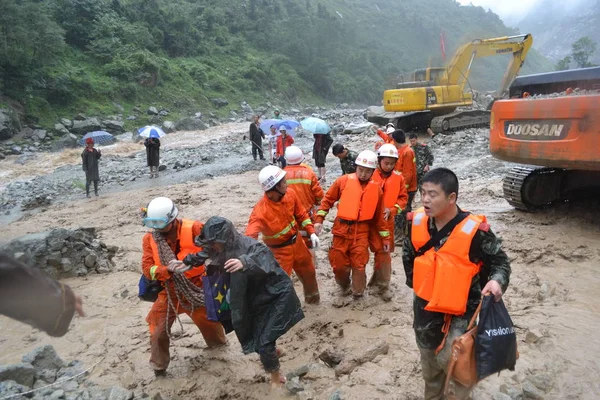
<point>457,72</point>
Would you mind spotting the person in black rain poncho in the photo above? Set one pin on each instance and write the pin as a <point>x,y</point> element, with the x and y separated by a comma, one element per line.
<point>263,302</point>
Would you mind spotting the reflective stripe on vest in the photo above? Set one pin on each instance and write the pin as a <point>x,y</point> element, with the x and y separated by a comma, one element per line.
<point>185,236</point>
<point>282,232</point>
<point>391,187</point>
<point>298,181</point>
<point>356,203</point>
<point>444,277</point>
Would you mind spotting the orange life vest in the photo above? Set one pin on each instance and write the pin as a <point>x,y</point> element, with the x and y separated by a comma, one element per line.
<point>443,277</point>
<point>185,236</point>
<point>391,187</point>
<point>356,203</point>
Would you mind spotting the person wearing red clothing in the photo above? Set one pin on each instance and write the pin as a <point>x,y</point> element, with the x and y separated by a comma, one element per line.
<point>386,137</point>
<point>395,198</point>
<point>163,252</point>
<point>283,142</point>
<point>407,166</point>
<point>360,206</point>
<point>279,216</point>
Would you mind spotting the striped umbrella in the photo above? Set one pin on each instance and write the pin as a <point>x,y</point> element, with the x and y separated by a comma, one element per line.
<point>151,132</point>
<point>100,137</point>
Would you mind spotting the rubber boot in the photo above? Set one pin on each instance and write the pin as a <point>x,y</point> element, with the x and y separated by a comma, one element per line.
<point>342,278</point>
<point>359,282</point>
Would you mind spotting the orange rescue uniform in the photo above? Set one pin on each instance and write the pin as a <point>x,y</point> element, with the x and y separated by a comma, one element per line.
<point>181,240</point>
<point>302,180</point>
<point>279,222</point>
<point>360,206</point>
<point>281,145</point>
<point>407,166</point>
<point>387,139</point>
<point>395,198</point>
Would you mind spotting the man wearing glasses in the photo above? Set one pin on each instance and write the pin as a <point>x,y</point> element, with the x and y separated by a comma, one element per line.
<point>170,240</point>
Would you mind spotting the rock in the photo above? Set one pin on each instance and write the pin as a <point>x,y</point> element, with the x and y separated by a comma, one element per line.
<point>542,382</point>
<point>163,113</point>
<point>44,358</point>
<point>2,156</point>
<point>190,124</point>
<point>46,375</point>
<point>219,102</point>
<point>9,124</point>
<point>67,123</point>
<point>23,374</point>
<point>103,267</point>
<point>348,364</point>
<point>152,111</point>
<point>246,108</point>
<point>294,386</point>
<point>337,395</point>
<point>39,134</point>
<point>57,394</point>
<point>169,126</point>
<point>501,396</point>
<point>90,260</point>
<point>9,388</point>
<point>16,150</point>
<point>198,115</point>
<point>113,126</point>
<point>131,118</point>
<point>531,392</point>
<point>532,337</point>
<point>512,392</point>
<point>331,357</point>
<point>118,393</point>
<point>137,109</point>
<point>300,372</point>
<point>68,141</point>
<point>356,129</point>
<point>81,127</point>
<point>162,167</point>
<point>60,129</point>
<point>79,117</point>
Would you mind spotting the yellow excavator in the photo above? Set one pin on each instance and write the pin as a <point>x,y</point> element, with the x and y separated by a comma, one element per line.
<point>433,96</point>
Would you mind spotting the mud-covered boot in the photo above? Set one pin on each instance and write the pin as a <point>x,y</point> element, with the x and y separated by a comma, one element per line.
<point>359,283</point>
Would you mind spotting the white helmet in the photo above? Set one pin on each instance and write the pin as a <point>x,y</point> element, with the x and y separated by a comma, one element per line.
<point>367,159</point>
<point>390,124</point>
<point>293,155</point>
<point>282,128</point>
<point>161,212</point>
<point>390,130</point>
<point>270,176</point>
<point>387,150</point>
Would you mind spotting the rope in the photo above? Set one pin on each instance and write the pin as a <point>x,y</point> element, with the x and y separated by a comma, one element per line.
<point>53,384</point>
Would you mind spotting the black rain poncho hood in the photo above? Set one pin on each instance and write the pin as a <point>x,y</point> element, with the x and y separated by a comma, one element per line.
<point>263,302</point>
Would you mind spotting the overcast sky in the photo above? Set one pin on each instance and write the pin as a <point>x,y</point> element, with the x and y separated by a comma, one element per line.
<point>511,11</point>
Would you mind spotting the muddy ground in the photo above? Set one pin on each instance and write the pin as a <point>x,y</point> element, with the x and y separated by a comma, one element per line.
<point>552,296</point>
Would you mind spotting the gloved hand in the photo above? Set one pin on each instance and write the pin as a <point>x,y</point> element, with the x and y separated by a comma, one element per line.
<point>315,240</point>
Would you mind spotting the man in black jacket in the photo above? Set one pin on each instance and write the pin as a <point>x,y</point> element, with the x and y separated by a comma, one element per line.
<point>263,302</point>
<point>256,137</point>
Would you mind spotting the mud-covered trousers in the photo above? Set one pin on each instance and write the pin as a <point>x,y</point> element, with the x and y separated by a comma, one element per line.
<point>434,366</point>
<point>269,358</point>
<point>213,332</point>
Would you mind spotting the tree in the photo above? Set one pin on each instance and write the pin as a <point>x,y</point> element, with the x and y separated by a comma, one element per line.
<point>582,50</point>
<point>563,64</point>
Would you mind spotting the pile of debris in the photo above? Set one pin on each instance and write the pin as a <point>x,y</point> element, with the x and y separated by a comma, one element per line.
<point>63,253</point>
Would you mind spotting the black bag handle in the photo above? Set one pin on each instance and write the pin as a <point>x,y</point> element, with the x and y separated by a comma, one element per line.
<point>435,239</point>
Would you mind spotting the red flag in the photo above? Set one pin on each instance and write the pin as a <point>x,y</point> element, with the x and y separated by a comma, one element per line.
<point>443,46</point>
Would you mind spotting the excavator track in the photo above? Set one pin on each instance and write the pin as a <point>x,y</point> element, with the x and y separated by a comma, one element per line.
<point>458,120</point>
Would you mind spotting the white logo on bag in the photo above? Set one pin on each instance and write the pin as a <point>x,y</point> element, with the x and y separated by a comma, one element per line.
<point>500,331</point>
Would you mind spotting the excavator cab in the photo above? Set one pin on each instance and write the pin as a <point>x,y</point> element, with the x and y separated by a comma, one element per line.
<point>423,77</point>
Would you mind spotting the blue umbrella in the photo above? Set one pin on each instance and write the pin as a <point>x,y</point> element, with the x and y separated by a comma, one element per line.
<point>100,137</point>
<point>151,132</point>
<point>315,125</point>
<point>277,123</point>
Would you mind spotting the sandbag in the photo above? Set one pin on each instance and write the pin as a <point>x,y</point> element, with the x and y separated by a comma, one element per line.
<point>496,341</point>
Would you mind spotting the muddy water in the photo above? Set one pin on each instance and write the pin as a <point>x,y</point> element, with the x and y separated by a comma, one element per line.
<point>552,295</point>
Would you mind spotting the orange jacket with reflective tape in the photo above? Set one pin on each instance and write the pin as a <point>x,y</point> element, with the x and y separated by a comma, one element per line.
<point>407,166</point>
<point>302,180</point>
<point>278,221</point>
<point>443,277</point>
<point>349,189</point>
<point>395,195</point>
<point>182,238</point>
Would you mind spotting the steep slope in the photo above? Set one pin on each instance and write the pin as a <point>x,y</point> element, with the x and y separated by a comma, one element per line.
<point>557,25</point>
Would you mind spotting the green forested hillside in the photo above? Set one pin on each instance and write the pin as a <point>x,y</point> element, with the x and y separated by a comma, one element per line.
<point>58,57</point>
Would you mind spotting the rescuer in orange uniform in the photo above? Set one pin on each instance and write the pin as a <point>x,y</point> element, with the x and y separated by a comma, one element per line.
<point>385,136</point>
<point>301,179</point>
<point>442,237</point>
<point>394,201</point>
<point>279,216</point>
<point>360,206</point>
<point>407,166</point>
<point>163,251</point>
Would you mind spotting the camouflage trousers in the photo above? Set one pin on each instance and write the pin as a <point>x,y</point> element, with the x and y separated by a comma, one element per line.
<point>434,366</point>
